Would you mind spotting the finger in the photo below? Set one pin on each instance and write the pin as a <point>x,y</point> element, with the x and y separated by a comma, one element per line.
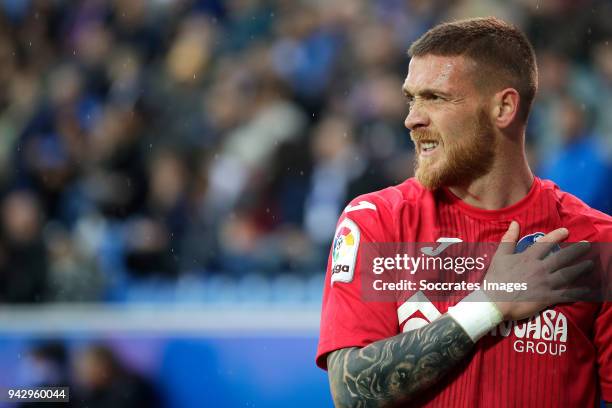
<point>508,241</point>
<point>572,295</point>
<point>565,256</point>
<point>543,246</point>
<point>567,275</point>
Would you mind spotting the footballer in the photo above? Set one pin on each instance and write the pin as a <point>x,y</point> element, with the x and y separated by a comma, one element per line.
<point>470,87</point>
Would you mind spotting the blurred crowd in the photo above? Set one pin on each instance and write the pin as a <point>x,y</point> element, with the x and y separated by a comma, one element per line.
<point>96,376</point>
<point>161,140</point>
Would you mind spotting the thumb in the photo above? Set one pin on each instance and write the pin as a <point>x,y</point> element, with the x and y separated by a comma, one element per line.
<point>508,241</point>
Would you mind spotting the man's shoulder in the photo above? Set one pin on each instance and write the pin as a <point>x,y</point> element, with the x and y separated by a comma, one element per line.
<point>575,211</point>
<point>388,199</point>
<point>380,213</point>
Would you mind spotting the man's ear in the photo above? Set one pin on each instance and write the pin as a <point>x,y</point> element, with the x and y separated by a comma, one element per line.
<point>505,107</point>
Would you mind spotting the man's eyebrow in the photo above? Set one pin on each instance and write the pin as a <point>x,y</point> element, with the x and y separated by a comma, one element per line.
<point>425,92</point>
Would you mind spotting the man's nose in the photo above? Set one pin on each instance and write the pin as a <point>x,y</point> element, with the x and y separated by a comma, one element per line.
<point>416,118</point>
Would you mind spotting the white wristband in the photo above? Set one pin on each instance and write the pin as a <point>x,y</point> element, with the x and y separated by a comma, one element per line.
<point>476,314</point>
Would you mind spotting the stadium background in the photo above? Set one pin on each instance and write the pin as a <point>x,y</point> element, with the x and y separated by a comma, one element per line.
<point>171,172</point>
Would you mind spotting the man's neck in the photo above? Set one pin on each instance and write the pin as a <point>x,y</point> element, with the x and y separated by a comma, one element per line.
<point>506,184</point>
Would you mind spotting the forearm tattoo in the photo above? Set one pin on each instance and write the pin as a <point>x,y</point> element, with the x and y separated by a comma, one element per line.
<point>393,370</point>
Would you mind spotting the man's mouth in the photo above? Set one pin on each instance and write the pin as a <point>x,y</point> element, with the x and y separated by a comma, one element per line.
<point>428,147</point>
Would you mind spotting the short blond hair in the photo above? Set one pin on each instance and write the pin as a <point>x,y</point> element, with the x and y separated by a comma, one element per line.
<point>500,49</point>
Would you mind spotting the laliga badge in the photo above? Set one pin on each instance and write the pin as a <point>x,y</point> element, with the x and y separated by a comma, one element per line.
<point>344,252</point>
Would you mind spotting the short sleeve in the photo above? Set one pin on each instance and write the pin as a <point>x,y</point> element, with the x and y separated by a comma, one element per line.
<point>603,327</point>
<point>602,330</point>
<point>603,344</point>
<point>346,319</point>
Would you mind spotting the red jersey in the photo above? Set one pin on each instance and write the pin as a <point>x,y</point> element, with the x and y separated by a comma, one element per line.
<point>563,357</point>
